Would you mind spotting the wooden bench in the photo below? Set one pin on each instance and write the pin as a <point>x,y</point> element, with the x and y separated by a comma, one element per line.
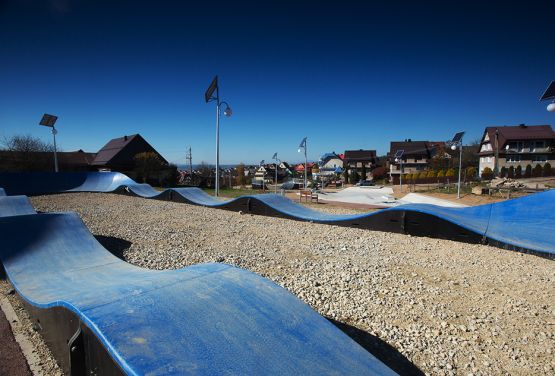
<point>307,194</point>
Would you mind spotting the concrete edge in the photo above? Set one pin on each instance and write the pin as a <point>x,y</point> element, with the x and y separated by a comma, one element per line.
<point>24,343</point>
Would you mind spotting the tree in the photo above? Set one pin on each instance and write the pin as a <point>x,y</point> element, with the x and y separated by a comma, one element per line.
<point>147,164</point>
<point>503,172</point>
<point>518,172</point>
<point>450,173</point>
<point>26,153</point>
<point>423,175</point>
<point>528,172</point>
<point>511,172</point>
<point>379,173</point>
<point>487,173</point>
<point>537,172</point>
<point>440,174</point>
<point>363,171</point>
<point>471,173</point>
<point>547,169</point>
<point>241,174</point>
<point>431,174</point>
<point>346,175</point>
<point>354,178</point>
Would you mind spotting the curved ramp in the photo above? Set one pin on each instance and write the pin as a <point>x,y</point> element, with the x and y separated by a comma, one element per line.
<point>2,192</point>
<point>15,205</point>
<point>203,319</point>
<point>522,224</point>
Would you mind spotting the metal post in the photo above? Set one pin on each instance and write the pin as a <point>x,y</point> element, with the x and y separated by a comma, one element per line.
<point>460,167</point>
<point>275,183</point>
<point>217,184</point>
<point>401,176</point>
<point>54,132</point>
<point>305,167</point>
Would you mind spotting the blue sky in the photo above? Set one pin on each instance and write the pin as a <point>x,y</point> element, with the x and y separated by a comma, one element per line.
<point>348,74</point>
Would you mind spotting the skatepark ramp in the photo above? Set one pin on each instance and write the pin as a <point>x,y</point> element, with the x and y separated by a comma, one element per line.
<point>101,315</point>
<point>522,224</point>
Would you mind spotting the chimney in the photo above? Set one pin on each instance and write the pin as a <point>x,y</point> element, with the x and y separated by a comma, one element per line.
<point>125,138</point>
<point>410,140</point>
<point>522,125</point>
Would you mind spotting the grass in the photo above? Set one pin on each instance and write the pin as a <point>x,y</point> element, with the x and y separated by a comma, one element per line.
<point>232,193</point>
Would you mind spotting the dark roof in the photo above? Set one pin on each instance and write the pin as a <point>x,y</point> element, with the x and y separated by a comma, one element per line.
<point>518,132</point>
<point>411,147</point>
<point>132,144</point>
<point>78,158</point>
<point>112,148</point>
<point>359,155</point>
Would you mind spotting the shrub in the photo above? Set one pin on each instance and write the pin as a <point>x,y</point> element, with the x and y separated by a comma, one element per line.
<point>504,172</point>
<point>528,172</point>
<point>511,172</point>
<point>423,175</point>
<point>431,174</point>
<point>518,172</point>
<point>441,174</point>
<point>547,169</point>
<point>471,173</point>
<point>487,173</point>
<point>537,172</point>
<point>450,173</point>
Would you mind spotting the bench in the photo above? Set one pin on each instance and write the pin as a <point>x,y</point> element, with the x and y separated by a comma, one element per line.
<point>307,194</point>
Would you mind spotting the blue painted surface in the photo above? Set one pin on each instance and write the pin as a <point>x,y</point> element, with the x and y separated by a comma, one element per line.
<point>208,319</point>
<point>15,205</point>
<point>2,192</point>
<point>525,223</point>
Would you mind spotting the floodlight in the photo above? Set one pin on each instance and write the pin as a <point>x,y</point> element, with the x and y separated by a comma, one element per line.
<point>551,107</point>
<point>453,147</point>
<point>507,147</point>
<point>299,150</point>
<point>227,111</point>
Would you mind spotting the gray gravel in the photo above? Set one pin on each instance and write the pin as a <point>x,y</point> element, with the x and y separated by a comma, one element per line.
<point>450,308</point>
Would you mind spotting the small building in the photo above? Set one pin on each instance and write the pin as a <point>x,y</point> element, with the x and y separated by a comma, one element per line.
<point>330,164</point>
<point>517,145</point>
<point>119,153</point>
<point>359,160</point>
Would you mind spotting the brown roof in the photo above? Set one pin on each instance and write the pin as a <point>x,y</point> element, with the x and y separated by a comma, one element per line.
<point>359,155</point>
<point>519,132</point>
<point>112,148</point>
<point>411,147</point>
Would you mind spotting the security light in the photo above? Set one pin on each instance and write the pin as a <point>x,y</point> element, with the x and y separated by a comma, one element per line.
<point>551,107</point>
<point>453,147</point>
<point>227,111</point>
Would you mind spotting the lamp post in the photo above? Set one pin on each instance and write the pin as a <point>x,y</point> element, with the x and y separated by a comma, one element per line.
<point>275,157</point>
<point>400,161</point>
<point>549,95</point>
<point>303,146</point>
<point>49,121</point>
<point>208,97</point>
<point>455,143</point>
<point>263,174</point>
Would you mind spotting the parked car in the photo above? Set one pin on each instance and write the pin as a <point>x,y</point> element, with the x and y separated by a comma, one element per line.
<point>290,185</point>
<point>365,183</point>
<point>258,184</point>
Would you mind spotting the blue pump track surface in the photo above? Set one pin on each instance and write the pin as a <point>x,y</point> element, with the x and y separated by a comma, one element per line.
<point>523,224</point>
<point>207,319</point>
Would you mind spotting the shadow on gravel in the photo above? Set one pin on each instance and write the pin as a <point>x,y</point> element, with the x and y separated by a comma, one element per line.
<point>380,349</point>
<point>115,245</point>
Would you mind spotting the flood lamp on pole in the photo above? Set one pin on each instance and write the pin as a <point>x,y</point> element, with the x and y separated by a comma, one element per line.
<point>399,159</point>
<point>213,94</point>
<point>455,143</point>
<point>303,146</point>
<point>49,121</point>
<point>263,173</point>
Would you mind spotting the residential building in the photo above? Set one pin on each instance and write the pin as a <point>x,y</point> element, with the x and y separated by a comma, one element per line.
<point>416,157</point>
<point>330,164</point>
<point>517,145</point>
<point>359,160</point>
<point>118,154</point>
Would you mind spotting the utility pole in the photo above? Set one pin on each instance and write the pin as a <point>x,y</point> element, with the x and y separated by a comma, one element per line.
<point>189,158</point>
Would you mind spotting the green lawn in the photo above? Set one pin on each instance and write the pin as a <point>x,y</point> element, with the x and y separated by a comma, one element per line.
<point>231,193</point>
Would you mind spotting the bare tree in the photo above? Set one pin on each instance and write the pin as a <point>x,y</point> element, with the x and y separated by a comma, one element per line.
<point>25,153</point>
<point>25,144</point>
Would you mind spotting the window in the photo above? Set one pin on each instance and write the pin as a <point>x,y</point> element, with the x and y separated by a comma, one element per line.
<point>512,158</point>
<point>538,145</point>
<point>540,158</point>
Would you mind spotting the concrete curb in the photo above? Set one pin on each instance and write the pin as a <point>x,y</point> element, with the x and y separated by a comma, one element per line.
<point>24,343</point>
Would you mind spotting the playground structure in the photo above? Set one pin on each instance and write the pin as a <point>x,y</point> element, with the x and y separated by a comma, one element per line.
<point>521,224</point>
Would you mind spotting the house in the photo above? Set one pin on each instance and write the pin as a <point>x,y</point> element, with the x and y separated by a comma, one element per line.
<point>417,155</point>
<point>330,164</point>
<point>517,145</point>
<point>44,161</point>
<point>118,154</point>
<point>360,160</point>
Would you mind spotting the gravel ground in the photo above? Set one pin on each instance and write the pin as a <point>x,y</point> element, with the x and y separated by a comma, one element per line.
<point>449,308</point>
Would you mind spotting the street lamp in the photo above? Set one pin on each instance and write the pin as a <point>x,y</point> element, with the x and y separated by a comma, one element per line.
<point>455,143</point>
<point>303,146</point>
<point>49,121</point>
<point>208,97</point>
<point>275,157</point>
<point>263,173</point>
<point>549,95</point>
<point>399,159</point>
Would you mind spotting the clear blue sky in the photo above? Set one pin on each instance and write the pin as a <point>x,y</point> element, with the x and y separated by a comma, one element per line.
<point>345,74</point>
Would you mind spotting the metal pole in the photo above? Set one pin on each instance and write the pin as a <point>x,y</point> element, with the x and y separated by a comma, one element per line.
<point>54,132</point>
<point>460,167</point>
<point>401,176</point>
<point>275,183</point>
<point>305,165</point>
<point>217,185</point>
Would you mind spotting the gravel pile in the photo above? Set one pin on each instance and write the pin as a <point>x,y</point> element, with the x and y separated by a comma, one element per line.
<point>443,307</point>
